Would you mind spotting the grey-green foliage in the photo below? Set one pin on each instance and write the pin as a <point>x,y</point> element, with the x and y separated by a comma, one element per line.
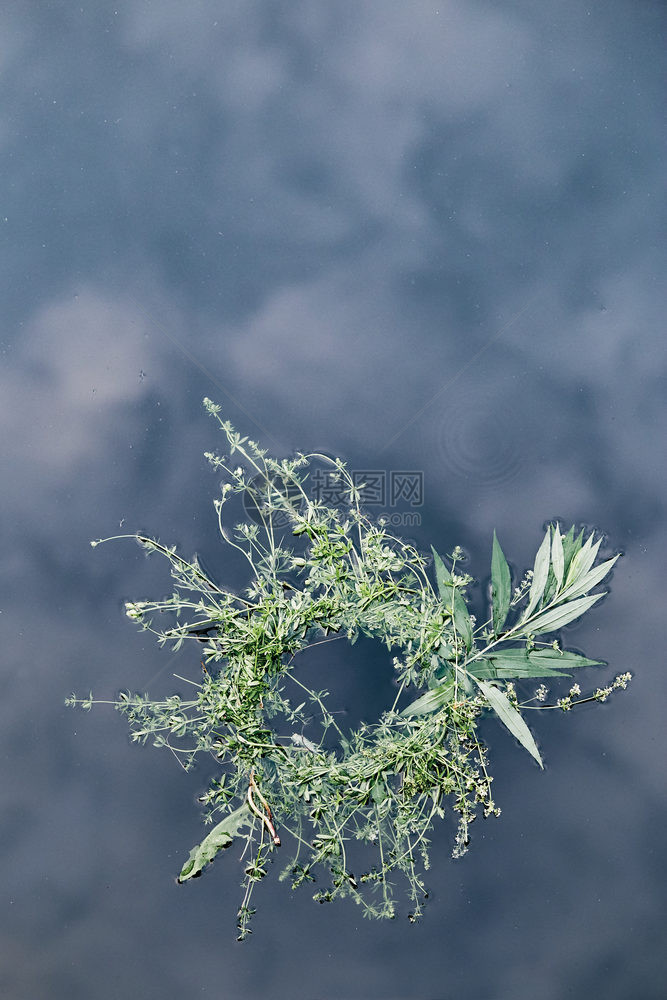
<point>286,773</point>
<point>221,836</point>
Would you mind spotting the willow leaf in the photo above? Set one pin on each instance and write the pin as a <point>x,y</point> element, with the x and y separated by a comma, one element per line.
<point>221,836</point>
<point>590,580</point>
<point>504,664</point>
<point>509,669</point>
<point>445,651</point>
<point>557,557</point>
<point>461,617</point>
<point>582,561</point>
<point>571,546</point>
<point>551,621</point>
<point>453,599</point>
<point>563,658</point>
<point>501,590</point>
<point>431,701</point>
<point>540,574</point>
<point>442,576</point>
<point>510,717</point>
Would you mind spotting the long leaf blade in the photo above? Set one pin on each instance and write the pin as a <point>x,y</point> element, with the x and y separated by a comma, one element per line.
<point>431,701</point>
<point>590,580</point>
<point>443,577</point>
<point>453,600</point>
<point>571,546</point>
<point>501,588</point>
<point>507,670</point>
<point>221,836</point>
<point>563,658</point>
<point>461,617</point>
<point>510,718</point>
<point>557,557</point>
<point>517,662</point>
<point>583,560</point>
<point>540,574</point>
<point>551,621</point>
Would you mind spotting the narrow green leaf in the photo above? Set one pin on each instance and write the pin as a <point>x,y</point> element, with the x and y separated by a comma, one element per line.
<point>504,664</point>
<point>379,792</point>
<point>442,576</point>
<point>510,717</point>
<point>568,540</point>
<point>461,617</point>
<point>431,701</point>
<point>571,546</point>
<point>514,656</point>
<point>551,621</point>
<point>445,651</point>
<point>582,561</point>
<point>563,658</point>
<point>207,625</point>
<point>540,574</point>
<point>501,588</point>
<point>453,599</point>
<point>509,669</point>
<point>221,836</point>
<point>588,581</point>
<point>557,557</point>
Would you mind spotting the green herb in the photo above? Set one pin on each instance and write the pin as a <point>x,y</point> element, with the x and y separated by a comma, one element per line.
<point>289,780</point>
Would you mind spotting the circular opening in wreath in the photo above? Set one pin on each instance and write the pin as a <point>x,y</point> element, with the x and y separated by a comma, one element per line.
<point>359,678</point>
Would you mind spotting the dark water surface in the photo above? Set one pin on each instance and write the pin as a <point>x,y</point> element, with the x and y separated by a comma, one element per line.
<point>427,237</point>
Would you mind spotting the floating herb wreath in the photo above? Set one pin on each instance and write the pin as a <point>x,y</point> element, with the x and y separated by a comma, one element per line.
<point>383,785</point>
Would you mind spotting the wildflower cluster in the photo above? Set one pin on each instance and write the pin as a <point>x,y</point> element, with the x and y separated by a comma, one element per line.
<point>286,773</point>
